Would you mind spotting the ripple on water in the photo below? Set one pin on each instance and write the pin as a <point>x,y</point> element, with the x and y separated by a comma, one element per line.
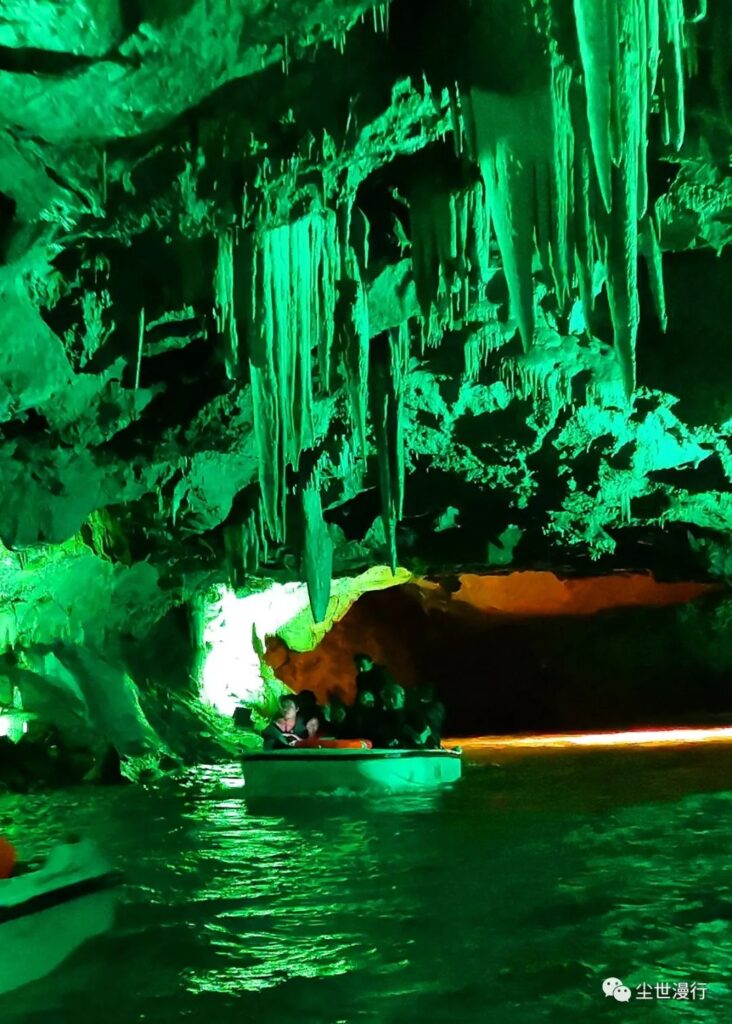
<point>509,898</point>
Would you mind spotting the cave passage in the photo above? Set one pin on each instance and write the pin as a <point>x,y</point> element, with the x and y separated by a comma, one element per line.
<point>531,653</point>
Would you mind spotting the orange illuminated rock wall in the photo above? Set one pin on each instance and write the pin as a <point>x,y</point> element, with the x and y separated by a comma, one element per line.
<point>533,594</point>
<point>409,630</point>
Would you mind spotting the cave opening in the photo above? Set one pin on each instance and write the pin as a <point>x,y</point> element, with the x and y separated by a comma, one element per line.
<point>530,652</point>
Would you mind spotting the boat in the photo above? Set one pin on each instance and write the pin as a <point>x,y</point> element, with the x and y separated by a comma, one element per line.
<point>46,914</point>
<point>303,772</point>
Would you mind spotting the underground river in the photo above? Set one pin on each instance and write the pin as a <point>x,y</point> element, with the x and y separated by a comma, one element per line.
<point>509,898</point>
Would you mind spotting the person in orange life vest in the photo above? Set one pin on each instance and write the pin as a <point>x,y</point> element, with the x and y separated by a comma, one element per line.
<point>8,858</point>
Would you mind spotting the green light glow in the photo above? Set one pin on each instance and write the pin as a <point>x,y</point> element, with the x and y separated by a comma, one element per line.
<point>235,628</point>
<point>232,669</point>
<point>14,726</point>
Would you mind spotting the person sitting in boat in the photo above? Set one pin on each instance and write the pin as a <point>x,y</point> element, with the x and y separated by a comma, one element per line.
<point>391,726</point>
<point>336,714</point>
<point>316,725</point>
<point>361,716</point>
<point>8,858</point>
<point>313,729</point>
<point>369,676</point>
<point>287,728</point>
<point>307,705</point>
<point>425,718</point>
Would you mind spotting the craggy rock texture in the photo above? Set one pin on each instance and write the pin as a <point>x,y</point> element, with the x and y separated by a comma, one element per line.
<point>291,288</point>
<point>528,652</point>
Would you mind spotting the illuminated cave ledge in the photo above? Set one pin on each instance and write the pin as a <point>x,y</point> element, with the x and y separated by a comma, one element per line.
<point>639,737</point>
<point>233,628</point>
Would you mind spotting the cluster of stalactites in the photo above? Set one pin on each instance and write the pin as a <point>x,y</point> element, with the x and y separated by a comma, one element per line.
<point>450,253</point>
<point>245,545</point>
<point>565,166</point>
<point>290,330</point>
<point>301,316</point>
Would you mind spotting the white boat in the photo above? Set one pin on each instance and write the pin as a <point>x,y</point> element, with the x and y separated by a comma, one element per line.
<point>45,915</point>
<point>286,773</point>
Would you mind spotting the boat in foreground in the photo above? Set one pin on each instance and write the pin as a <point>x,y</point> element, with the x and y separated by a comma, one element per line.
<point>306,772</point>
<point>45,915</point>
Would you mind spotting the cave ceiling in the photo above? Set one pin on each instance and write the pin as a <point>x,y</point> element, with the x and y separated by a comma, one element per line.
<point>293,287</point>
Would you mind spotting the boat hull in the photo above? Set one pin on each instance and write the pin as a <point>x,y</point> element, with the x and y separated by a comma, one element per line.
<point>309,772</point>
<point>46,915</point>
<point>35,945</point>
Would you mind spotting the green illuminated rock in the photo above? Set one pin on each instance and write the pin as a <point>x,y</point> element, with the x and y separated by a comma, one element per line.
<point>291,289</point>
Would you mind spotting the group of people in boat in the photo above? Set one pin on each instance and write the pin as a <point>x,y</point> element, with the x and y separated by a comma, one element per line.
<point>381,715</point>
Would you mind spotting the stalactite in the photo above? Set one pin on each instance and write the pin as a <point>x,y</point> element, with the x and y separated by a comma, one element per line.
<point>380,415</point>
<point>317,548</point>
<point>352,320</point>
<point>488,338</point>
<point>570,181</point>
<point>242,547</point>
<point>380,14</point>
<point>512,139</point>
<point>672,71</point>
<point>399,346</point>
<point>450,252</point>
<point>651,251</point>
<point>389,368</point>
<point>224,297</point>
<point>291,320</point>
<point>582,222</point>
<point>562,178</point>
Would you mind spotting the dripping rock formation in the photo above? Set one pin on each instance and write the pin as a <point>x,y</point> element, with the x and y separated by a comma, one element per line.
<point>293,289</point>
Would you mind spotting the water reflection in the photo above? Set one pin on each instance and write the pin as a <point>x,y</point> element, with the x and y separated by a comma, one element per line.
<point>509,898</point>
<point>278,886</point>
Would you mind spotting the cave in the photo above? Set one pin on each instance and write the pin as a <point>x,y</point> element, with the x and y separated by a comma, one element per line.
<point>394,328</point>
<point>532,653</point>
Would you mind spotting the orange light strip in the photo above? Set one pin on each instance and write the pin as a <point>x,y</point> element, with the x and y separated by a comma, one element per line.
<point>640,737</point>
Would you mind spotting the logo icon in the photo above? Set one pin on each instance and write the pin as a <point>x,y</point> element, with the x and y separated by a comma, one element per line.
<point>615,988</point>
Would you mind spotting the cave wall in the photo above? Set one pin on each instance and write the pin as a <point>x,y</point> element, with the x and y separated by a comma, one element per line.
<point>291,289</point>
<point>502,667</point>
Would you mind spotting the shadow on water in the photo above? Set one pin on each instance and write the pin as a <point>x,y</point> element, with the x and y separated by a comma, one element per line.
<point>508,898</point>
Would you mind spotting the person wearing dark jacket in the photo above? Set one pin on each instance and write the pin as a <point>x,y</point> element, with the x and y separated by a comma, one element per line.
<point>426,717</point>
<point>391,726</point>
<point>371,677</point>
<point>361,718</point>
<point>287,728</point>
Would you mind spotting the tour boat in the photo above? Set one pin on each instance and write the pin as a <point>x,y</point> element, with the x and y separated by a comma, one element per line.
<point>45,915</point>
<point>302,772</point>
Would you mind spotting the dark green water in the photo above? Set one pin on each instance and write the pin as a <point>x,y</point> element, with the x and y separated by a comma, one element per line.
<point>509,898</point>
